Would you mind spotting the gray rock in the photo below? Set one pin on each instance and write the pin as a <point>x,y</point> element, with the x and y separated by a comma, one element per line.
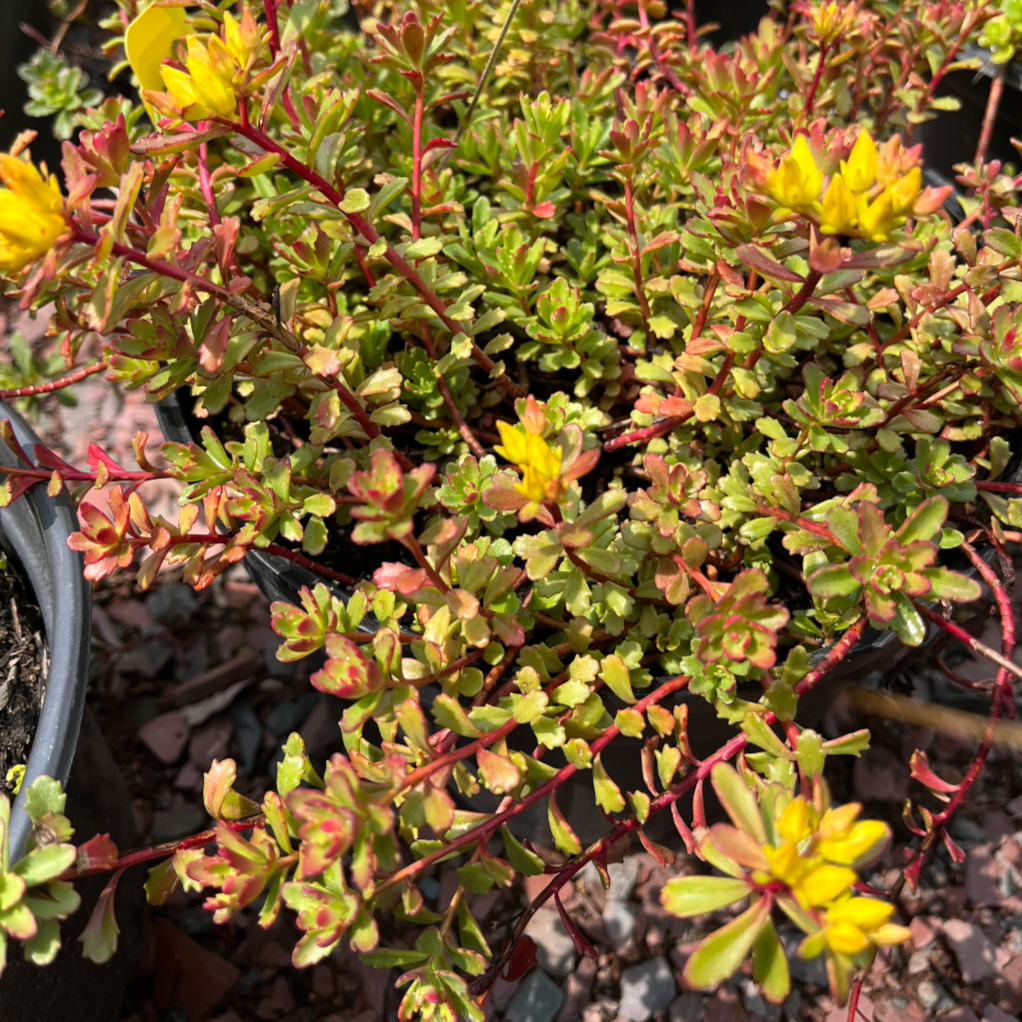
<point>757,1006</point>
<point>619,921</point>
<point>622,879</point>
<point>287,716</point>
<point>813,971</point>
<point>930,994</point>
<point>973,950</point>
<point>994,1014</point>
<point>248,730</point>
<point>555,951</point>
<point>537,999</point>
<point>171,605</point>
<point>646,989</point>
<point>918,963</point>
<point>690,1007</point>
<point>792,1006</point>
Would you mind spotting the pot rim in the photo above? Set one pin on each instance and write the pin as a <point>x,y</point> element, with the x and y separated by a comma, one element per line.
<point>37,528</point>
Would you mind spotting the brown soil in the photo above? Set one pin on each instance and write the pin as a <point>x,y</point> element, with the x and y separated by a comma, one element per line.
<point>23,657</point>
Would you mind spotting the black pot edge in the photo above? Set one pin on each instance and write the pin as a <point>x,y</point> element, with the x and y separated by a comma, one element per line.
<point>37,527</point>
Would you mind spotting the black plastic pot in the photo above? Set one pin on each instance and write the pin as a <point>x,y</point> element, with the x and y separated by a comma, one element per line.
<point>35,529</point>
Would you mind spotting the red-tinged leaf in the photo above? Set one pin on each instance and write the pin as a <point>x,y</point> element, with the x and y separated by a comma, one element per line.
<point>8,437</point>
<point>162,882</point>
<point>683,829</point>
<point>911,872</point>
<point>544,210</point>
<point>399,578</point>
<point>222,802</point>
<point>99,938</point>
<point>582,946</point>
<point>664,856</point>
<point>523,957</point>
<point>504,498</point>
<point>921,772</point>
<point>953,848</point>
<point>211,507</point>
<point>214,345</point>
<point>98,852</point>
<point>97,456</point>
<point>45,458</point>
<point>766,265</point>
<point>719,955</point>
<point>438,143</point>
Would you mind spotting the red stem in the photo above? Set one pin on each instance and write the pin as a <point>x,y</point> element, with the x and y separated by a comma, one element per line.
<point>270,9</point>
<point>654,51</point>
<point>811,94</point>
<point>833,657</point>
<point>990,114</point>
<point>633,245</point>
<point>417,162</point>
<point>853,1001</point>
<point>304,562</point>
<point>46,388</point>
<point>994,487</point>
<point>484,829</point>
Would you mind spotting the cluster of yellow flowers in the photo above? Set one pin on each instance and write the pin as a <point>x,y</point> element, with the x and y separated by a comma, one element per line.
<point>208,84</point>
<point>814,861</point>
<point>540,463</point>
<point>31,214</point>
<point>868,197</point>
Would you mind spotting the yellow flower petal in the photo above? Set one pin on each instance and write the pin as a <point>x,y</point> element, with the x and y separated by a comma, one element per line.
<point>823,884</point>
<point>837,213</point>
<point>846,939</point>
<point>812,178</point>
<point>890,934</point>
<point>515,443</point>
<point>876,220</point>
<point>794,824</point>
<point>859,172</point>
<point>149,40</point>
<point>867,913</point>
<point>905,191</point>
<point>234,41</point>
<point>856,843</point>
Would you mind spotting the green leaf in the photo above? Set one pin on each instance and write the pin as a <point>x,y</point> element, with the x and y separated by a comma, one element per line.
<point>387,958</point>
<point>530,706</point>
<point>630,723</point>
<point>907,622</point>
<point>852,744</point>
<point>608,794</point>
<point>760,734</point>
<point>527,863</point>
<point>697,895</point>
<point>617,677</point>
<point>718,957</point>
<point>809,752</point>
<point>44,863</point>
<point>832,582</point>
<point>738,801</point>
<point>449,713</point>
<point>565,839</point>
<point>769,965</point>
<point>44,796</point>
<point>355,201</point>
<point>949,585</point>
<point>925,522</point>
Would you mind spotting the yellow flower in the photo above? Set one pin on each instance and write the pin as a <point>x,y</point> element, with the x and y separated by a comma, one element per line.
<point>149,41</point>
<point>31,214</point>
<point>860,170</point>
<point>797,182</point>
<point>796,823</point>
<point>206,89</point>
<point>841,840</point>
<point>876,219</point>
<point>905,191</point>
<point>838,210</point>
<point>853,925</point>
<point>540,463</point>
